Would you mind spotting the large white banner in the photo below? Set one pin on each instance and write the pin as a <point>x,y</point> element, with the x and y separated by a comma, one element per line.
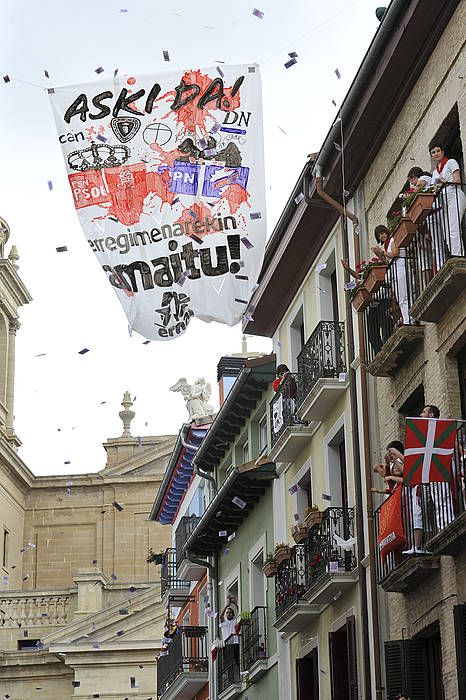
<point>167,176</point>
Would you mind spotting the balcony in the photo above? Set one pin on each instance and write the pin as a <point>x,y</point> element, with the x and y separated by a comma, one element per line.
<point>228,671</point>
<point>289,433</point>
<point>185,569</point>
<point>322,371</point>
<point>390,340</point>
<point>317,573</point>
<point>184,670</point>
<point>441,515</point>
<point>438,264</point>
<point>173,590</point>
<point>254,652</point>
<point>27,609</point>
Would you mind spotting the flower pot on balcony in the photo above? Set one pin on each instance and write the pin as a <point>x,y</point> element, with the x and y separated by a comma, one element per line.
<point>313,519</point>
<point>404,232</point>
<point>300,534</point>
<point>269,569</point>
<point>421,207</point>
<point>361,299</point>
<point>282,554</point>
<point>375,278</point>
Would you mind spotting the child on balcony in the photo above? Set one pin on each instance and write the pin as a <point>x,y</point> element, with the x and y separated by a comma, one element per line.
<point>390,253</point>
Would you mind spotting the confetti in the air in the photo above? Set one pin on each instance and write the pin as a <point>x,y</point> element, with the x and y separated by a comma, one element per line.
<point>166,57</point>
<point>321,267</point>
<point>296,516</point>
<point>115,72</point>
<point>337,73</point>
<point>241,301</point>
<point>196,238</point>
<point>290,63</point>
<point>326,497</point>
<point>61,249</point>
<point>239,502</point>
<point>241,277</point>
<point>220,72</point>
<point>117,506</point>
<point>349,285</point>
<point>247,243</point>
<point>232,536</point>
<point>299,198</point>
<point>255,215</point>
<point>342,377</point>
<point>293,489</point>
<point>257,13</point>
<point>46,73</point>
<point>293,54</point>
<point>99,70</point>
<point>6,78</point>
<point>101,138</point>
<point>334,103</point>
<point>83,351</point>
<point>50,185</point>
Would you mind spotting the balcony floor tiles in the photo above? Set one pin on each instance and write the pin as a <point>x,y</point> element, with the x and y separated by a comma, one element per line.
<point>320,399</point>
<point>233,691</point>
<point>296,617</point>
<point>291,442</point>
<point>411,573</point>
<point>324,590</point>
<point>396,350</point>
<point>186,685</point>
<point>445,288</point>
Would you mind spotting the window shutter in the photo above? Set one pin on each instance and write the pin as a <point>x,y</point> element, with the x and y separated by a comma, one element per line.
<point>338,665</point>
<point>352,658</point>
<point>459,614</point>
<point>406,668</point>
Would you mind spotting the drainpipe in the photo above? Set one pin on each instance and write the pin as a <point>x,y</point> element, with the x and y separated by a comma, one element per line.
<point>356,458</point>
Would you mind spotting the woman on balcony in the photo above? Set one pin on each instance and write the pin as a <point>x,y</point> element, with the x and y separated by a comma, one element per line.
<point>420,180</point>
<point>452,201</point>
<point>390,253</point>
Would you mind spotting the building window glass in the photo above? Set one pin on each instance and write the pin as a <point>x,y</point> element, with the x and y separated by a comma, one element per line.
<point>245,452</point>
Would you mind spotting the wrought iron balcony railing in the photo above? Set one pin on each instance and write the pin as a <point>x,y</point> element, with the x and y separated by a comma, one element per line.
<point>389,306</point>
<point>182,534</point>
<point>228,664</point>
<point>439,238</point>
<point>320,554</point>
<point>323,356</point>
<point>283,406</point>
<point>254,638</point>
<point>168,580</point>
<point>186,653</point>
<point>426,511</point>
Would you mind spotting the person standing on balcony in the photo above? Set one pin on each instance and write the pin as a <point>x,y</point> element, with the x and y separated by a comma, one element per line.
<point>452,201</point>
<point>388,252</point>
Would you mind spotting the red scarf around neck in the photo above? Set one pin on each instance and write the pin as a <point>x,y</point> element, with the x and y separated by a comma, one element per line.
<point>442,164</point>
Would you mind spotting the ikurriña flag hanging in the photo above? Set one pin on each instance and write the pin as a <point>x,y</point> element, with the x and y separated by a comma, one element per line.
<point>167,177</point>
<point>429,449</point>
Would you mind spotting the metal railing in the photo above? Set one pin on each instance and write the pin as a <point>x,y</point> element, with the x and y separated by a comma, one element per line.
<point>182,534</point>
<point>168,580</point>
<point>186,653</point>
<point>254,638</point>
<point>439,238</point>
<point>283,406</point>
<point>426,510</point>
<point>323,355</point>
<point>320,554</point>
<point>389,306</point>
<point>228,664</point>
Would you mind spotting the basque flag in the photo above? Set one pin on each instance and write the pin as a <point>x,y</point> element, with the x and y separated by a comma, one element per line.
<point>428,450</point>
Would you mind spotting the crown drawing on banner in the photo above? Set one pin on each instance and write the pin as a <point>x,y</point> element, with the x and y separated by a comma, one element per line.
<point>97,157</point>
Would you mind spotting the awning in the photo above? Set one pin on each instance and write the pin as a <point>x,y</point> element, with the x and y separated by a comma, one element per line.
<point>248,482</point>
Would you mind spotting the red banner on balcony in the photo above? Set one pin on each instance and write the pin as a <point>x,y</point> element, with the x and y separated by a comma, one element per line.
<point>428,450</point>
<point>391,531</point>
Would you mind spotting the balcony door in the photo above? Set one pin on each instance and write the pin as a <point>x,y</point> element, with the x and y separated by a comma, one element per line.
<point>338,484</point>
<point>307,676</point>
<point>343,664</point>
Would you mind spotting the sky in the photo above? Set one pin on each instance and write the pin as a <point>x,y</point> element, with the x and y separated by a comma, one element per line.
<point>67,404</point>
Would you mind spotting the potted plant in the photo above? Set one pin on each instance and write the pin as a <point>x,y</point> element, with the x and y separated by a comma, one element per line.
<point>269,566</point>
<point>282,553</point>
<point>299,532</point>
<point>360,298</point>
<point>419,205</point>
<point>155,557</point>
<point>374,275</point>
<point>402,229</point>
<point>312,517</point>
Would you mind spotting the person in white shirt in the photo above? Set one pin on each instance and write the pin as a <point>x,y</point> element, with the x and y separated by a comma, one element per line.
<point>452,201</point>
<point>229,627</point>
<point>388,253</point>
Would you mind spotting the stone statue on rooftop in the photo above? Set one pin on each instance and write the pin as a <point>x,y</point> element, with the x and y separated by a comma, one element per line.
<point>196,396</point>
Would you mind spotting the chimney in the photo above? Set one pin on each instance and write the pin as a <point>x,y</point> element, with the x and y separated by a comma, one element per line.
<point>230,366</point>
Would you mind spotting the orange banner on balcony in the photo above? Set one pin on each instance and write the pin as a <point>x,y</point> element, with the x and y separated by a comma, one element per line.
<point>391,531</point>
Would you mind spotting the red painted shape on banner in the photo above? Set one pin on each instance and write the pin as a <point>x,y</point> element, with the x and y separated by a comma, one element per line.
<point>190,116</point>
<point>235,195</point>
<point>391,532</point>
<point>127,187</point>
<point>88,188</point>
<point>167,157</point>
<point>201,213</point>
<point>158,184</point>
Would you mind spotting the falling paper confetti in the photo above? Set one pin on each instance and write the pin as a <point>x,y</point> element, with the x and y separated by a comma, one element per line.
<point>342,377</point>
<point>6,78</point>
<point>232,536</point>
<point>346,193</point>
<point>326,497</point>
<point>255,215</point>
<point>241,301</point>
<point>83,351</point>
<point>61,249</point>
<point>349,285</point>
<point>334,103</point>
<point>114,577</point>
<point>299,198</point>
<point>99,70</point>
<point>117,506</point>
<point>296,516</point>
<point>222,533</point>
<point>120,633</point>
<point>115,72</point>
<point>196,238</point>
<point>290,63</point>
<point>101,138</point>
<point>239,501</point>
<point>257,13</point>
<point>220,72</point>
<point>46,73</point>
<point>166,57</point>
<point>293,54</point>
<point>293,489</point>
<point>49,183</point>
<point>337,73</point>
<point>321,267</point>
